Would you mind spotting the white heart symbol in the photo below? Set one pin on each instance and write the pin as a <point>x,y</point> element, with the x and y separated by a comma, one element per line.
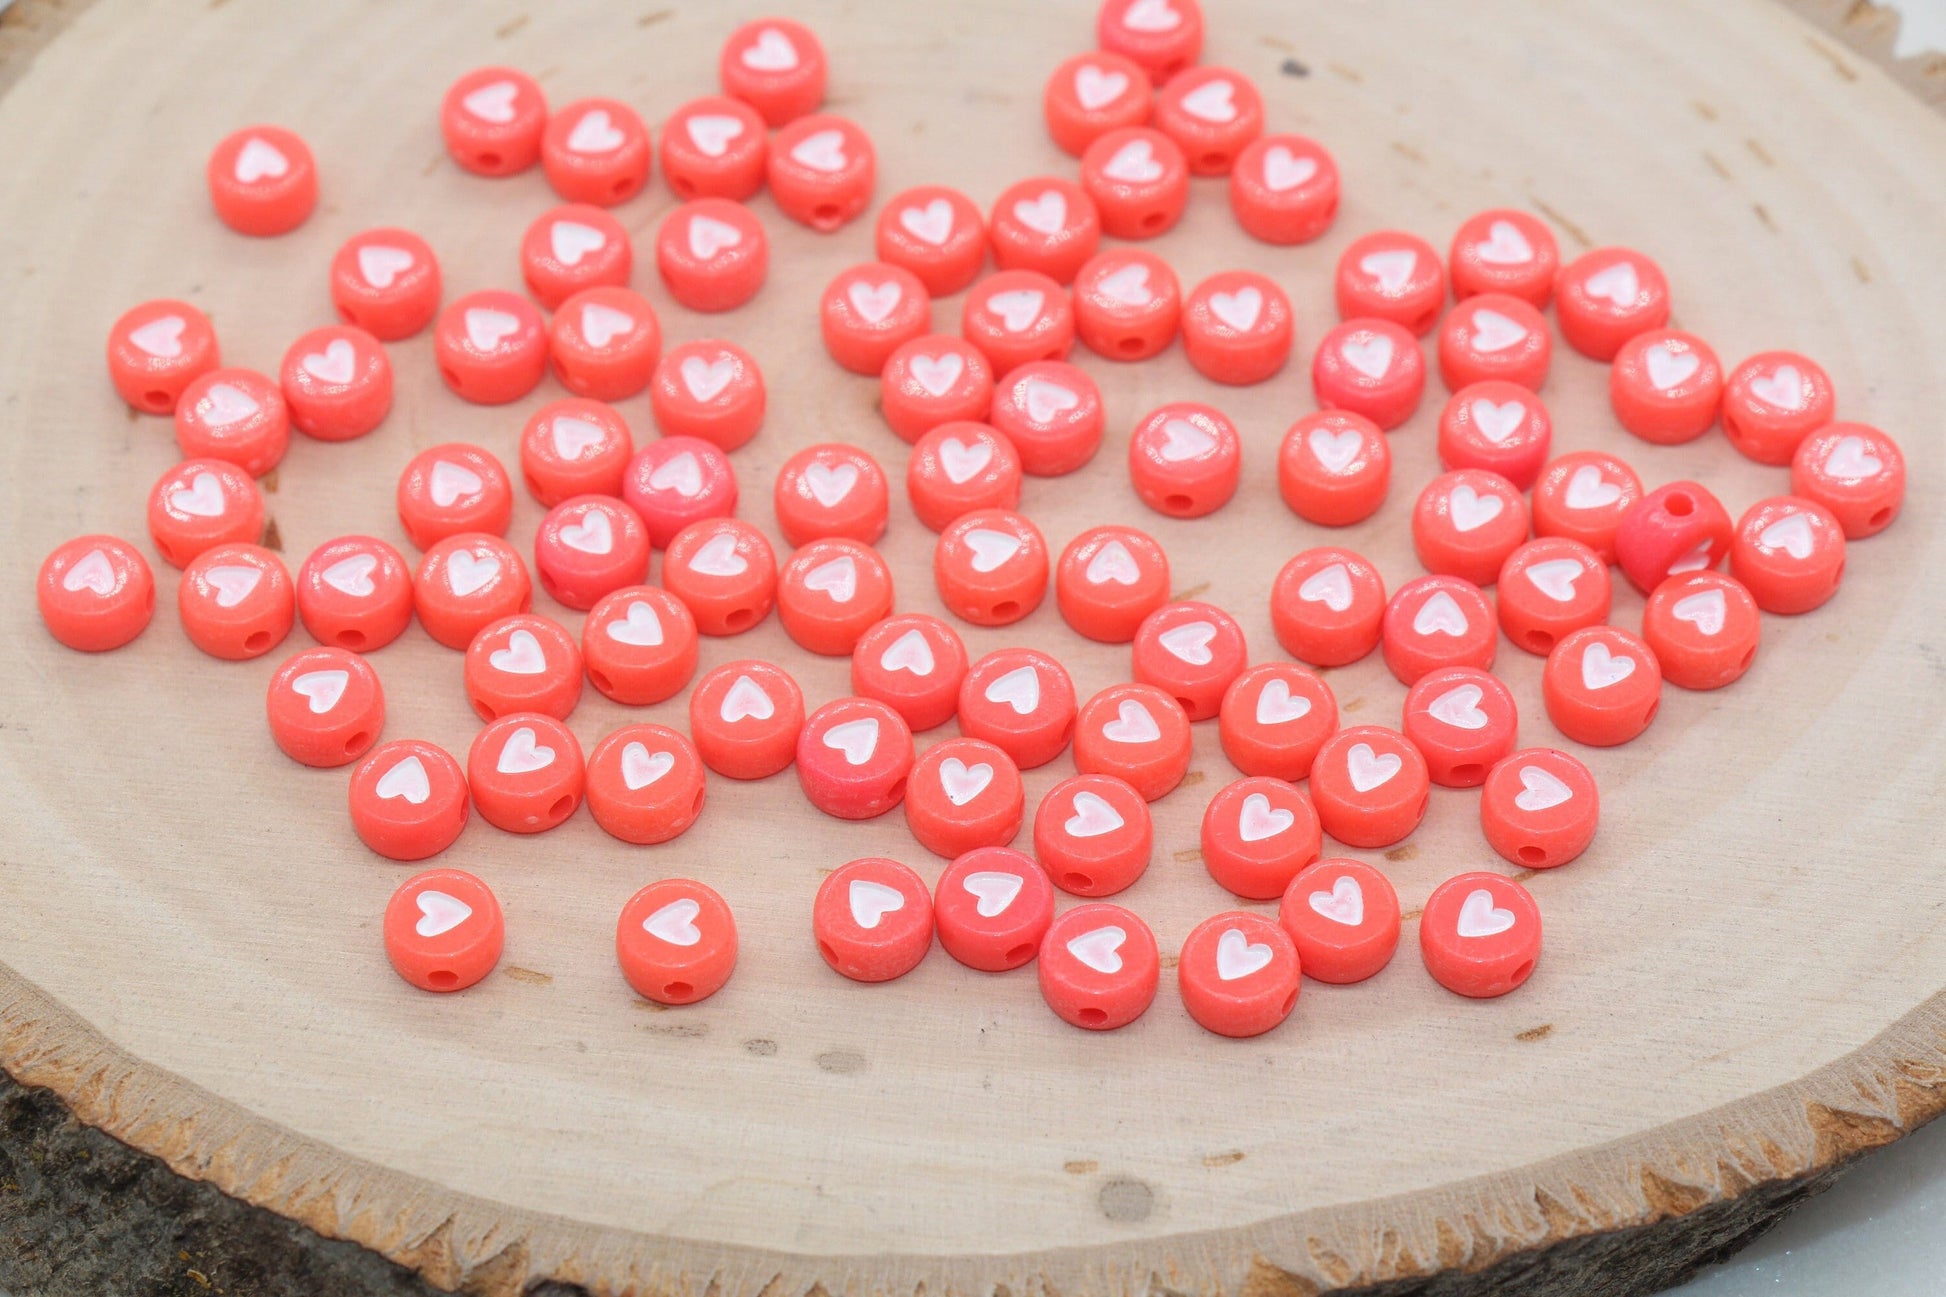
<point>909,652</point>
<point>521,657</point>
<point>1480,917</point>
<point>448,482</point>
<point>706,378</point>
<point>1045,400</point>
<point>407,779</point>
<point>1601,668</point>
<point>1540,790</point>
<point>746,699</point>
<point>487,328</point>
<point>1668,368</point>
<point>1555,578</point>
<point>1505,245</point>
<point>836,577</point>
<point>675,922</point>
<point>1099,948</point>
<point>1113,562</point>
<point>1493,332</point>
<point>1132,724</point>
<point>1497,422</point>
<point>1276,705</point>
<point>1127,284</point>
<point>1020,689</point>
<point>1183,440</point>
<point>1470,510</point>
<point>1392,268</point>
<point>1018,308</point>
<point>682,473</point>
<point>522,755</point>
<point>640,768</point>
<point>994,891</point>
<point>872,901</point>
<point>1851,460</point>
<point>822,151</point>
<point>1330,586</point>
<point>1238,310</point>
<point>571,241</point>
<point>961,461</point>
<point>709,236</point>
<point>467,572</point>
<point>1588,489</point>
<point>1095,89</point>
<point>1782,388</point>
<point>1212,101</point>
<point>937,374</point>
<point>1259,819</point>
<point>640,627</point>
<point>873,302</point>
<point>233,584</point>
<point>1616,284</point>
<point>592,535</point>
<point>259,159</point>
<point>1705,610</point>
<point>962,783</point>
<point>829,485</point>
<point>440,913</point>
<point>1459,707</point>
<point>202,498</point>
<point>1135,163</point>
<point>323,688</point>
<point>1238,956</point>
<point>1439,615</point>
<point>718,556</point>
<point>224,405</point>
<point>572,437</point>
<point>493,102</point>
<point>161,337</point>
<point>1283,171</point>
<point>594,133</point>
<point>1047,214</point>
<point>338,364</point>
<point>1344,903</point>
<point>601,325</point>
<point>1368,353</point>
<point>381,265</point>
<point>94,572</point>
<point>772,51</point>
<point>1189,642</point>
<point>1791,533</point>
<point>712,133</point>
<point>1151,16</point>
<point>1092,817</point>
<point>991,549</point>
<point>1334,450</point>
<point>1369,769</point>
<point>352,575</point>
<point>932,223</point>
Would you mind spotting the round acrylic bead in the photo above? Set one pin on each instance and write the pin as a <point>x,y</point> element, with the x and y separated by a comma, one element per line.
<point>1467,522</point>
<point>325,707</point>
<point>156,350</point>
<point>1017,316</point>
<point>870,311</point>
<point>935,233</point>
<point>830,592</point>
<point>993,906</point>
<point>1494,336</point>
<point>236,601</point>
<point>1676,528</point>
<point>963,795</point>
<point>990,567</point>
<point>355,592</point>
<point>386,282</point>
<point>1185,459</point>
<point>1704,628</point>
<point>1021,701</point>
<point>1462,720</point>
<point>1372,368</point>
<point>443,930</point>
<point>708,389</point>
<point>1163,36</point>
<point>1099,966</point>
<point>1192,651</point>
<point>1284,189</point>
<point>1789,553</point>
<point>873,920</point>
<point>712,254</point>
<point>776,66</point>
<point>1480,935</point>
<point>596,151</point>
<point>526,773</point>
<point>571,248</point>
<point>1091,94</point>
<point>1136,733</point>
<point>1327,605</point>
<point>913,663</point>
<point>1052,413</point>
<point>1772,402</point>
<point>1238,974</point>
<point>1605,297</point>
<point>337,383</point>
<point>639,645</point>
<point>1434,622</point>
<point>1093,834</point>
<point>714,147</point>
<point>465,582</point>
<point>200,503</point>
<point>932,381</point>
<point>1343,917</point>
<point>1274,719</point>
<point>1237,327</point>
<point>1257,834</point>
<point>1855,471</point>
<point>1139,180</point>
<point>1583,496</point>
<point>821,171</point>
<point>1211,113</point>
<point>724,572</point>
<point>1370,786</point>
<point>1127,304</point>
<point>235,415</point>
<point>1539,808</point>
<point>745,718</point>
<point>1504,251</point>
<point>831,490</point>
<point>959,467</point>
<point>603,343</point>
<point>676,481</point>
<point>1550,587</point>
<point>262,181</point>
<point>1109,579</point>
<point>1391,275</point>
<point>409,800</point>
<point>587,546</point>
<point>491,347</point>
<point>675,940</point>
<point>1498,426</point>
<point>452,489</point>
<point>574,447</point>
<point>492,119</point>
<point>1666,386</point>
<point>523,663</point>
<point>1045,224</point>
<point>853,758</point>
<point>1334,468</point>
<point>1602,686</point>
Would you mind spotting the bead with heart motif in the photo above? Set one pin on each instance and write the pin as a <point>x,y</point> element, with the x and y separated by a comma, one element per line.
<point>355,592</point>
<point>491,347</point>
<point>1494,337</point>
<point>443,930</point>
<point>1462,720</point>
<point>1237,327</point>
<point>200,503</point>
<point>587,546</point>
<point>1014,317</point>
<point>492,119</point>
<point>1185,459</point>
<point>325,707</point>
<point>1021,701</point>
<point>1704,628</point>
<point>522,663</point>
<point>1773,401</point>
<point>1343,917</point>
<point>645,785</point>
<point>869,311</point>
<point>1437,621</point>
<point>337,383</point>
<point>1605,297</point>
<point>1162,36</point>
<point>725,572</point>
<point>1238,974</point>
<point>526,772</point>
<point>1127,304</point>
<point>1583,495</point>
<point>1539,808</point>
<point>572,247</point>
<point>386,281</point>
<point>409,800</point>
<point>596,151</point>
<point>990,567</point>
<point>1284,189</point>
<point>992,906</point>
<point>676,940</point>
<point>1052,413</point>
<point>156,350</point>
<point>678,480</point>
<point>745,717</point>
<point>95,593</point>
<point>873,919</point>
<point>1046,224</point>
<point>1099,966</point>
<point>1212,113</point>
<point>934,380</point>
<point>714,147</point>
<point>1548,588</point>
<point>1369,786</point>
<point>712,254</point>
<point>262,181</point>
<point>709,389</point>
<point>603,344</point>
<point>1466,523</point>
<point>1139,180</point>
<point>1498,426</point>
<point>964,794</point>
<point>236,601</point>
<point>1093,834</point>
<point>1504,251</point>
<point>236,415</point>
<point>831,490</point>
<point>1480,934</point>
<point>776,66</point>
<point>1258,832</point>
<point>468,581</point>
<point>1192,651</point>
<point>1666,386</point>
<point>1854,470</point>
<point>451,489</point>
<point>639,645</point>
<point>821,170</point>
<point>1137,733</point>
<point>574,447</point>
<point>1334,468</point>
<point>936,233</point>
<point>1093,93</point>
<point>1327,605</point>
<point>1789,553</point>
<point>1676,528</point>
<point>830,592</point>
<point>959,467</point>
<point>1108,580</point>
<point>913,663</point>
<point>1372,368</point>
<point>1391,275</point>
<point>1602,686</point>
<point>1274,719</point>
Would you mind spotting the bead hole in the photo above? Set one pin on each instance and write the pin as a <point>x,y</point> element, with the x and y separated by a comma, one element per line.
<point>896,792</point>
<point>1188,708</point>
<point>562,808</point>
<point>600,682</point>
<point>1469,773</point>
<point>1021,954</point>
<point>451,379</point>
<point>1749,656</point>
<point>1077,882</point>
<point>489,160</point>
<point>157,400</point>
<point>678,991</point>
<point>257,642</point>
<point>1129,346</point>
<point>486,713</point>
<point>1880,518</point>
<point>1532,855</point>
<point>443,979</point>
<point>1006,610</point>
<point>830,955</point>
<point>1680,505</point>
<point>351,639</point>
<point>825,216</point>
<point>1649,715</point>
<point>1425,800</point>
<point>1178,503</point>
<point>739,618</point>
<point>1152,222</point>
<point>684,188</point>
<point>623,187</point>
<point>696,804</point>
<point>357,743</point>
<point>1214,161</point>
<point>1092,1017</point>
<point>1539,641</point>
<point>1290,1002</point>
<point>1526,967</point>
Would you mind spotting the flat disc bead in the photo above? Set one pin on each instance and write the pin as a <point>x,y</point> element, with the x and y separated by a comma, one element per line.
<point>1438,621</point>
<point>1327,606</point>
<point>1704,628</point>
<point>714,147</point>
<point>775,65</point>
<point>1108,580</point>
<point>745,717</point>
<point>1099,967</point>
<point>1211,113</point>
<point>1369,786</point>
<point>466,581</point>
<point>596,151</point>
<point>1274,719</point>
<point>491,347</point>
<point>1466,524</point>
<point>1602,686</point>
<point>453,489</point>
<point>1498,426</point>
<point>677,481</point>
<point>854,757</point>
<point>1185,460</point>
<point>1549,588</point>
<point>873,920</point>
<point>870,311</point>
<point>1238,975</point>
<point>492,119</point>
<point>1391,275</point>
<point>1139,180</point>
<point>262,181</point>
<point>1237,327</point>
<point>1020,700</point>
<point>1772,402</point>
<point>523,663</point>
<point>156,349</point>
<point>236,601</point>
<point>932,381</point>
<point>1334,468</point>
<point>1090,94</point>
<point>1504,251</point>
<point>337,383</point>
<point>1494,336</point>
<point>325,707</point>
<point>409,800</point>
<point>993,905</point>
<point>1136,733</point>
<point>959,467</point>
<point>571,248</point>
<point>1463,721</point>
<point>936,233</point>
<point>1372,368</point>
<point>1017,316</point>
<point>963,795</point>
<point>831,491</point>
<point>1127,304</point>
<point>1162,36</point>
<point>724,571</point>
<point>386,281</point>
<point>604,343</point>
<point>1046,224</point>
<point>1343,917</point>
<point>821,171</point>
<point>526,772</point>
<point>587,546</point>
<point>991,567</point>
<point>1480,935</point>
<point>1680,527</point>
<point>639,645</point>
<point>708,389</point>
<point>1789,553</point>
<point>235,415</point>
<point>676,942</point>
<point>200,503</point>
<point>1284,189</point>
<point>1583,495</point>
<point>1605,297</point>
<point>1257,834</point>
<point>1093,835</point>
<point>1539,808</point>
<point>355,592</point>
<point>443,930</point>
<point>1052,413</point>
<point>1855,471</point>
<point>574,447</point>
<point>913,663</point>
<point>1666,386</point>
<point>712,254</point>
<point>830,592</point>
<point>1192,651</point>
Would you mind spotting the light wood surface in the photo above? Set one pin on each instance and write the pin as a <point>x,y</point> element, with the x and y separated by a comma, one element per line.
<point>1742,979</point>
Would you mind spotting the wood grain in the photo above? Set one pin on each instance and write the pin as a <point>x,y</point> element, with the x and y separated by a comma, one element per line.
<point>1742,981</point>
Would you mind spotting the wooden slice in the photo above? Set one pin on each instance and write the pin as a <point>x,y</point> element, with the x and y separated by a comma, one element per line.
<point>1742,980</point>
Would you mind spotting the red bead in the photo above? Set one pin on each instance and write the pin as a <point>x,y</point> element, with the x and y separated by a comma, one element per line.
<point>714,147</point>
<point>325,707</point>
<point>1539,808</point>
<point>1091,94</point>
<point>1462,720</point>
<point>1498,426</point>
<point>964,795</point>
<point>355,592</point>
<point>1370,786</point>
<point>492,119</point>
<point>386,282</point>
<point>1136,733</point>
<point>1127,304</point>
<point>745,718</point>
<point>708,389</point>
<point>831,491</point>
<point>491,348</point>
<point>1109,580</point>
<point>1504,251</point>
<point>639,645</point>
<point>776,66</point>
<point>873,920</point>
<point>1192,651</point>
<point>712,254</point>
<point>1044,224</point>
<point>464,582</point>
<point>1392,275</point>
<point>236,601</point>
<point>574,447</point>
<point>1099,966</point>
<point>1466,523</point>
<point>1343,917</point>
<point>1549,587</point>
<point>1326,607</point>
<point>1334,468</point>
<point>1704,629</point>
<point>1184,460</point>
<point>526,773</point>
<point>1480,935</point>
<point>1789,553</point>
<point>1212,114</point>
<point>95,593</point>
<point>596,151</point>
<point>1015,317</point>
<point>724,571</point>
<point>409,800</point>
<point>937,234</point>
<point>1238,974</point>
<point>1257,834</point>
<point>675,940</point>
<point>262,181</point>
<point>235,415</point>
<point>1666,386</point>
<point>1163,36</point>
<point>676,481</point>
<point>1052,413</point>
<point>1022,702</point>
<point>1673,529</point>
<point>1583,496</point>
<point>603,343</point>
<point>1602,686</point>
<point>830,592</point>
<point>1605,297</point>
<point>821,171</point>
<point>1773,401</point>
<point>1855,471</point>
<point>1438,621</point>
<point>1237,327</point>
<point>453,489</point>
<point>443,930</point>
<point>337,383</point>
<point>201,503</point>
<point>913,663</point>
<point>523,663</point>
<point>1139,180</point>
<point>571,248</point>
<point>1493,336</point>
<point>1372,368</point>
<point>959,467</point>
<point>156,350</point>
<point>587,546</point>
<point>870,311</point>
<point>1284,189</point>
<point>993,906</point>
<point>853,758</point>
<point>1274,719</point>
<point>1093,834</point>
<point>932,381</point>
<point>990,567</point>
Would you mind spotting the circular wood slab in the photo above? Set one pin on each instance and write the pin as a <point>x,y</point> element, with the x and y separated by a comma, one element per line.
<point>1742,978</point>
